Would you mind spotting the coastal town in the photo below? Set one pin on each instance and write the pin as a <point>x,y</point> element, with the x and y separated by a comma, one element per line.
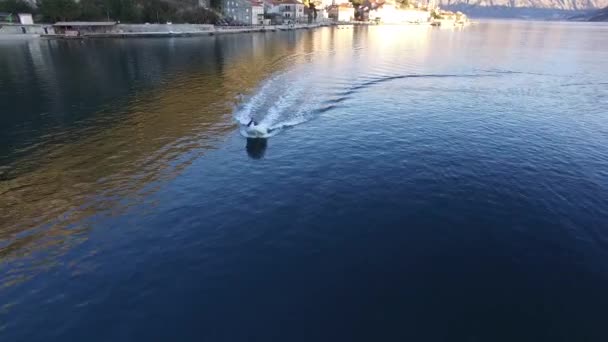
<point>210,17</point>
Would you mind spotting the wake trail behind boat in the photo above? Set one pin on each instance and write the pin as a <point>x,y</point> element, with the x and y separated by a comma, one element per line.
<point>283,101</point>
<point>297,96</point>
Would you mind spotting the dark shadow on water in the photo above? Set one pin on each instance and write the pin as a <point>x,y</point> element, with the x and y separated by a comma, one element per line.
<point>256,147</point>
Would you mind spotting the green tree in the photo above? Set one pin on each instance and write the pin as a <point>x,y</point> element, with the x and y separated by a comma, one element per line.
<point>57,10</point>
<point>197,16</point>
<point>123,10</point>
<point>16,6</point>
<point>215,4</point>
<point>152,12</point>
<point>92,10</point>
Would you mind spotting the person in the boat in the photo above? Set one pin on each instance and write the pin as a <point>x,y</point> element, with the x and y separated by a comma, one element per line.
<point>252,122</point>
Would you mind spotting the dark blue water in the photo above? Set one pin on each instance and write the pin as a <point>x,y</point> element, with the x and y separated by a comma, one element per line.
<point>417,184</point>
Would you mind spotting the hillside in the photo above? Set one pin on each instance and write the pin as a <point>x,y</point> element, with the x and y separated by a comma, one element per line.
<point>569,5</point>
<point>525,9</point>
<point>601,15</point>
<point>598,15</point>
<point>127,11</point>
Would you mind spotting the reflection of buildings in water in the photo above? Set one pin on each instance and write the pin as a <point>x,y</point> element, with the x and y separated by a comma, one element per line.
<point>149,115</point>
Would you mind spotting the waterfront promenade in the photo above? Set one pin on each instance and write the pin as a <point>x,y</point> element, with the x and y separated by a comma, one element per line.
<point>144,30</point>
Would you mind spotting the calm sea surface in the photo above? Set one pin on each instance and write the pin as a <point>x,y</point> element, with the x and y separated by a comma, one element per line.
<point>418,184</point>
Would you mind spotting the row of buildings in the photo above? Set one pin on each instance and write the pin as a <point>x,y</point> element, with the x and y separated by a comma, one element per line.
<point>267,12</point>
<point>264,12</point>
<point>254,12</point>
<point>260,12</point>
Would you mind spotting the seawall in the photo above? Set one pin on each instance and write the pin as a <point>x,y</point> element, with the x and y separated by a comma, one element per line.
<point>16,31</point>
<point>188,30</point>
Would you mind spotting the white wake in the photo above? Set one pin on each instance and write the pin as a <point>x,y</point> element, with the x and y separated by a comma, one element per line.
<point>285,100</point>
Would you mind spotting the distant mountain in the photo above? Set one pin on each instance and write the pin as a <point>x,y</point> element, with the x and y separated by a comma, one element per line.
<point>569,5</point>
<point>525,9</point>
<point>599,15</point>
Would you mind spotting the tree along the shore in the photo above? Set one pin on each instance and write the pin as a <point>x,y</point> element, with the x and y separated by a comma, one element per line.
<point>128,11</point>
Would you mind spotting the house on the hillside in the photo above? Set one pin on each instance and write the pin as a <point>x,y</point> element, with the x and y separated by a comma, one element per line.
<point>343,12</point>
<point>289,10</point>
<point>246,12</point>
<point>26,18</point>
<point>325,3</point>
<point>389,14</point>
<point>257,12</point>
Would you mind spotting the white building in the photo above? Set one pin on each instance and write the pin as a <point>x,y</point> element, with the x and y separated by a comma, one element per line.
<point>344,12</point>
<point>257,12</point>
<point>249,12</point>
<point>26,18</point>
<point>389,14</point>
<point>290,10</point>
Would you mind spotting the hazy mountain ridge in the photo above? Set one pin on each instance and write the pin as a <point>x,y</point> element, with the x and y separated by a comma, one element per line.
<point>599,15</point>
<point>569,5</point>
<point>602,15</point>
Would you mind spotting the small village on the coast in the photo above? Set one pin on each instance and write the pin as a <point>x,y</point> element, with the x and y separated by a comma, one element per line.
<point>210,17</point>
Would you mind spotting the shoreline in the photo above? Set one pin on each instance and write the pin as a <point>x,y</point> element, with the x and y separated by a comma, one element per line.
<point>159,31</point>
